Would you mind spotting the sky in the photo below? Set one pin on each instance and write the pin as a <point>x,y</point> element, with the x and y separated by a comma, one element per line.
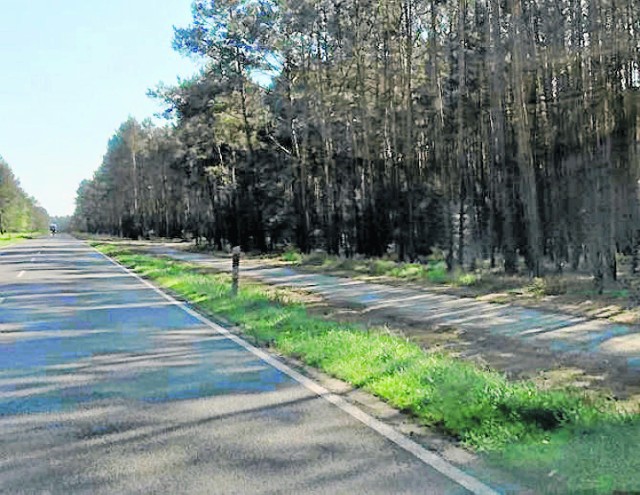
<point>71,71</point>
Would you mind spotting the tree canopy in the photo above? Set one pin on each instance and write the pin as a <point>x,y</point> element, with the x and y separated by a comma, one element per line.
<point>19,212</point>
<point>499,130</point>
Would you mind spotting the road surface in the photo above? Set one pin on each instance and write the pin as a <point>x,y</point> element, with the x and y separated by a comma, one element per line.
<point>106,386</point>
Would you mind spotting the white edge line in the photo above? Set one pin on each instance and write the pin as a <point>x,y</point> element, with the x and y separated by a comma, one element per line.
<point>21,274</point>
<point>436,462</point>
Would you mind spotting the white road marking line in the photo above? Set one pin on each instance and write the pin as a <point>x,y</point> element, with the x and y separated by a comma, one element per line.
<point>435,461</point>
<point>21,274</point>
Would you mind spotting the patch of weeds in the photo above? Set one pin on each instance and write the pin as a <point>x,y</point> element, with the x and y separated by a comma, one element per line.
<point>437,272</point>
<point>409,271</point>
<point>434,271</point>
<point>382,267</point>
<point>317,258</point>
<point>292,256</point>
<point>618,293</point>
<point>599,458</point>
<point>467,279</point>
<point>327,263</point>
<point>348,264</point>
<point>10,238</point>
<point>547,286</point>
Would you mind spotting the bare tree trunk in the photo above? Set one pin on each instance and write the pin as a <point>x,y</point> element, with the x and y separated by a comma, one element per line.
<point>524,157</point>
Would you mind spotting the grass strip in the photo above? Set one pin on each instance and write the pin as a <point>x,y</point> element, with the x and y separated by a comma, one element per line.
<point>537,431</point>
<point>11,238</point>
<point>432,272</point>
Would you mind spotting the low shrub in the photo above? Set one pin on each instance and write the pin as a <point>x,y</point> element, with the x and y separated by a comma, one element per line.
<point>547,286</point>
<point>292,256</point>
<point>437,272</point>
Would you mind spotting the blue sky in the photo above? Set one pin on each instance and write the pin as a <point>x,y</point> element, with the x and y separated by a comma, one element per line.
<point>70,72</point>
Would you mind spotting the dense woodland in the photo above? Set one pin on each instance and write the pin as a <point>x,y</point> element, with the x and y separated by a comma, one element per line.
<point>18,211</point>
<point>497,130</point>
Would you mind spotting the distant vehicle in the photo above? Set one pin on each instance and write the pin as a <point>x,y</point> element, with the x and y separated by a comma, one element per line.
<point>53,228</point>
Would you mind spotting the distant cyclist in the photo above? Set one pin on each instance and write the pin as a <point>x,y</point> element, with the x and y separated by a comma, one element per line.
<point>53,228</point>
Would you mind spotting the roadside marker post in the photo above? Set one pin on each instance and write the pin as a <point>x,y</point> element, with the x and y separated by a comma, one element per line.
<point>235,270</point>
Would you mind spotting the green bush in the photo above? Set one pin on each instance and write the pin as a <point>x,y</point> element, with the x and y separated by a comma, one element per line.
<point>437,272</point>
<point>468,279</point>
<point>411,271</point>
<point>347,264</point>
<point>382,267</point>
<point>292,256</point>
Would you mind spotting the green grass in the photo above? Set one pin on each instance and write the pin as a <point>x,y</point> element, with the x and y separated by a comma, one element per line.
<point>433,272</point>
<point>292,256</point>
<point>11,238</point>
<point>561,436</point>
<point>603,457</point>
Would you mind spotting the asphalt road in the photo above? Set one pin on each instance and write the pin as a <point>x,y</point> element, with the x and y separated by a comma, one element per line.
<point>108,387</point>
